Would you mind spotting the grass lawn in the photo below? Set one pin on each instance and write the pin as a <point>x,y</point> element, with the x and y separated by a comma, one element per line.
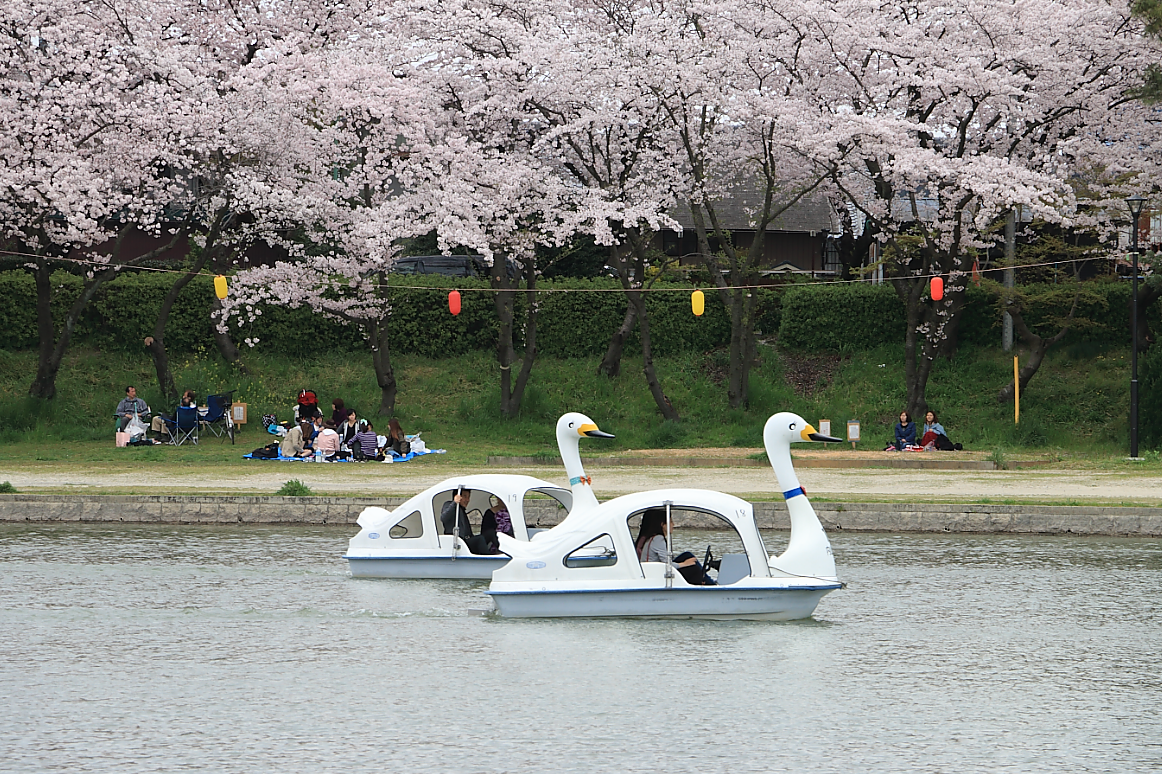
<point>1073,414</point>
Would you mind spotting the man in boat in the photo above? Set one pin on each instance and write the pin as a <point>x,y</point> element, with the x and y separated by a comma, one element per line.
<point>455,512</point>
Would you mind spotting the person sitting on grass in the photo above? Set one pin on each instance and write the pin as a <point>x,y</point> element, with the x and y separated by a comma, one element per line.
<point>366,442</point>
<point>932,428</point>
<point>348,429</point>
<point>905,432</point>
<point>129,406</point>
<point>338,412</point>
<point>397,439</point>
<point>327,441</point>
<point>292,444</point>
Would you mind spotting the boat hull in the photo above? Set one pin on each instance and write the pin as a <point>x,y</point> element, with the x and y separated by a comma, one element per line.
<point>431,567</point>
<point>709,602</point>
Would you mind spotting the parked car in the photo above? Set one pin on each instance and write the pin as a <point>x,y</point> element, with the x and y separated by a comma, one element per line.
<point>447,265</point>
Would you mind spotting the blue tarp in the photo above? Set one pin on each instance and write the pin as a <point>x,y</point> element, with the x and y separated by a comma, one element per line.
<point>406,458</point>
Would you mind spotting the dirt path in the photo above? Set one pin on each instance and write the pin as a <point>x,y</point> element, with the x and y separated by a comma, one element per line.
<point>1049,486</point>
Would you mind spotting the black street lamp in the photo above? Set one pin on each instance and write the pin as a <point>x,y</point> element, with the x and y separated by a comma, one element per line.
<point>1135,203</point>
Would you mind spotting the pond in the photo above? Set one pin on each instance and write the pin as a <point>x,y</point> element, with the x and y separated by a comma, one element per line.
<point>228,649</point>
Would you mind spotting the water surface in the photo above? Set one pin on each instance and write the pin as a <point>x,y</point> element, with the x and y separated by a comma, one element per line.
<point>142,649</point>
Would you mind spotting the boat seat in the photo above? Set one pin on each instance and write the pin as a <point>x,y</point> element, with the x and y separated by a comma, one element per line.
<point>734,568</point>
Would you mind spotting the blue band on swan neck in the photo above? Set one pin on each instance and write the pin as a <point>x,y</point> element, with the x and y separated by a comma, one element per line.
<point>581,480</point>
<point>793,493</point>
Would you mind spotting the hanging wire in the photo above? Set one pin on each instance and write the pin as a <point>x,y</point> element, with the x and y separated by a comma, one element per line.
<point>684,289</point>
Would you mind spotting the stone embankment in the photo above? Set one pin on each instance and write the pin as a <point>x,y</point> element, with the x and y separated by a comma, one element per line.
<point>863,517</point>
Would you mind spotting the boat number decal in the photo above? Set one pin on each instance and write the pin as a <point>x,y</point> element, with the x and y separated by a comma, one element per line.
<point>535,565</point>
<point>373,535</point>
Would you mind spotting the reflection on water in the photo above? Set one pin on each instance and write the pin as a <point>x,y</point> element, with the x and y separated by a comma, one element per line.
<point>135,649</point>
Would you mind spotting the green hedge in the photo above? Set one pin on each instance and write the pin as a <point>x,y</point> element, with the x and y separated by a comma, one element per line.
<point>833,318</point>
<point>124,311</point>
<point>821,318</point>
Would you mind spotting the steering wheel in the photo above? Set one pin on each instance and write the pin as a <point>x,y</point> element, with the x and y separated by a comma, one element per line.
<point>706,561</point>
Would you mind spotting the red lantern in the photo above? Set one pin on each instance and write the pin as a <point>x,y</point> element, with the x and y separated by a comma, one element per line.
<point>454,302</point>
<point>937,288</point>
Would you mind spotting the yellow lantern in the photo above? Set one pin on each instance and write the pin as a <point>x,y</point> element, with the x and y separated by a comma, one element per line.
<point>697,303</point>
<point>220,286</point>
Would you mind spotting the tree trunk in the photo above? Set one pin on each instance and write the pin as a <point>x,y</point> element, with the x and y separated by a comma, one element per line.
<point>636,310</point>
<point>384,372</point>
<point>51,348</point>
<point>611,363</point>
<point>51,353</point>
<point>530,349</point>
<point>1038,347</point>
<point>156,343</point>
<point>505,353</point>
<point>223,340</point>
<point>638,301</point>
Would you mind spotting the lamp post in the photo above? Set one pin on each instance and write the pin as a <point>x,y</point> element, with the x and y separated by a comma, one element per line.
<point>1135,203</point>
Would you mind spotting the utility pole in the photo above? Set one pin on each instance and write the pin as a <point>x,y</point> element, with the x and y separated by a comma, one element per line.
<point>1010,259</point>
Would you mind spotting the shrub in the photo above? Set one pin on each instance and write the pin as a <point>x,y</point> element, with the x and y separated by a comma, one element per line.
<point>294,488</point>
<point>840,317</point>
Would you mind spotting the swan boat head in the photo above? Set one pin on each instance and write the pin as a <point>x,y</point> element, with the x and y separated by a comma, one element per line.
<point>808,550</point>
<point>571,428</point>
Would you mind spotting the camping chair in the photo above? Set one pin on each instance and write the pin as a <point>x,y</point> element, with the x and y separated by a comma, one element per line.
<point>217,419</point>
<point>184,426</point>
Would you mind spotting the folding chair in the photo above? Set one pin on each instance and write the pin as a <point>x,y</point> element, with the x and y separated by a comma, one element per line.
<point>184,427</point>
<point>217,419</point>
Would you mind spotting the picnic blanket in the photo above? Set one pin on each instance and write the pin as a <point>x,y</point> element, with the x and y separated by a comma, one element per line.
<point>391,458</point>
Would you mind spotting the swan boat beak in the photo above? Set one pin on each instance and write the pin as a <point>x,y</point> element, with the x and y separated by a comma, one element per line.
<point>591,431</point>
<point>811,434</point>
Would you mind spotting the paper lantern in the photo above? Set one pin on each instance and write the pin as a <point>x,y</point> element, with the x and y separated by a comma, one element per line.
<point>697,303</point>
<point>220,286</point>
<point>454,302</point>
<point>937,288</point>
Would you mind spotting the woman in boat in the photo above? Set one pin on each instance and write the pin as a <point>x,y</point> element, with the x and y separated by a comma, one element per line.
<point>652,547</point>
<point>496,519</point>
<point>499,517</point>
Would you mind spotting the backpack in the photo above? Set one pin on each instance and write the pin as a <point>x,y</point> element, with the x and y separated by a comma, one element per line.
<point>944,444</point>
<point>268,452</point>
<point>268,420</point>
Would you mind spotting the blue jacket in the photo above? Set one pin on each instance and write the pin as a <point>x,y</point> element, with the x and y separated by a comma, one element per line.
<point>906,433</point>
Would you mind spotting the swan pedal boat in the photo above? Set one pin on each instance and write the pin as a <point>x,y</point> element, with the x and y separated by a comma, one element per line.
<point>556,575</point>
<point>406,542</point>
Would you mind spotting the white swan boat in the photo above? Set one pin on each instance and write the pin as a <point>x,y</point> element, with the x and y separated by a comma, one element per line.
<point>407,541</point>
<point>557,574</point>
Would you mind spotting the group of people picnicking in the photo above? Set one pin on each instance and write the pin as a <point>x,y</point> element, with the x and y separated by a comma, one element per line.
<point>341,436</point>
<point>932,438</point>
<point>132,408</point>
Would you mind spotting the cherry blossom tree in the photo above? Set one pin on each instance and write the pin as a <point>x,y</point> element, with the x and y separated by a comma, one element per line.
<point>938,119</point>
<point>87,101</point>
